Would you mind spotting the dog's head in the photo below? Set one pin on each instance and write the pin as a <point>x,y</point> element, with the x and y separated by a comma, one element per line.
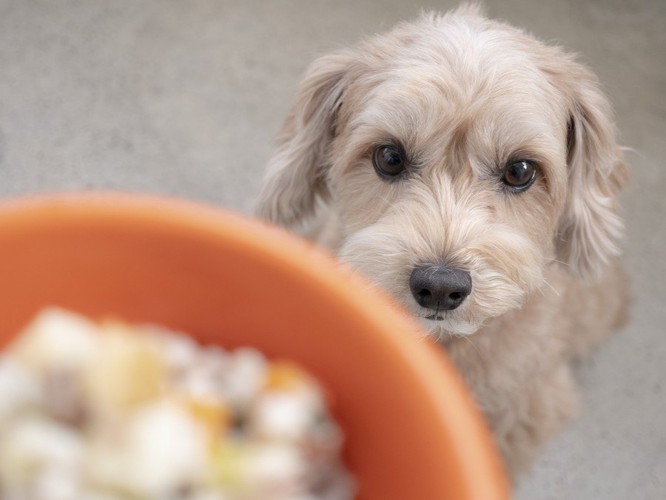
<point>461,157</point>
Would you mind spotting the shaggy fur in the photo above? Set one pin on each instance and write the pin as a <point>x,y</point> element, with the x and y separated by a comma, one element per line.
<point>465,96</point>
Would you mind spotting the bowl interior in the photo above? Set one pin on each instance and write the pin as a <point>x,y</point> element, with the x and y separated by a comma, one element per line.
<point>411,430</point>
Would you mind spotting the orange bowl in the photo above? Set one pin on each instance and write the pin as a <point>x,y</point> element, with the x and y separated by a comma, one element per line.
<point>411,429</point>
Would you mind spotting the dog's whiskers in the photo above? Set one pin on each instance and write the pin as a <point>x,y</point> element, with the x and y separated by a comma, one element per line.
<point>556,261</point>
<point>475,348</point>
<point>555,291</point>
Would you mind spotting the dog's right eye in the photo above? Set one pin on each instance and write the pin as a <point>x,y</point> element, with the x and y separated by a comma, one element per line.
<point>389,161</point>
<point>519,175</point>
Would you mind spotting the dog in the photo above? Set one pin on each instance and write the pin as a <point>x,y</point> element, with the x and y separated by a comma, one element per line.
<point>473,172</point>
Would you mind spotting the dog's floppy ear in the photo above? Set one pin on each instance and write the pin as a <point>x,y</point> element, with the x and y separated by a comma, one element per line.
<point>590,227</point>
<point>296,174</point>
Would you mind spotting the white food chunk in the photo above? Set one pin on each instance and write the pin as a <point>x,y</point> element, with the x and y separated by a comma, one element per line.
<point>39,444</point>
<point>19,389</point>
<point>163,449</point>
<point>245,376</point>
<point>282,415</point>
<point>56,338</point>
<point>277,471</point>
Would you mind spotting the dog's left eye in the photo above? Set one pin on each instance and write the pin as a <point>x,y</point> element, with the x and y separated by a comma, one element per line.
<point>389,161</point>
<point>519,175</point>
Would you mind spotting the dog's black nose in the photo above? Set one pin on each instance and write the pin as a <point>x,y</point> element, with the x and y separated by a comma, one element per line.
<point>440,287</point>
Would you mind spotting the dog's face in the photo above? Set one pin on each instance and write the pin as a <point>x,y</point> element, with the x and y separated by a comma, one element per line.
<point>461,158</point>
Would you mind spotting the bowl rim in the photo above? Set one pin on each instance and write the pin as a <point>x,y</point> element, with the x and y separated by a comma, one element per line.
<point>479,462</point>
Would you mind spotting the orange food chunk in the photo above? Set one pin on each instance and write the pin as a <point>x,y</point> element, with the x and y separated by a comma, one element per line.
<point>285,375</point>
<point>214,416</point>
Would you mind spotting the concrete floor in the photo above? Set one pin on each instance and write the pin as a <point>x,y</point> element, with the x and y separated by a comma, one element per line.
<point>184,98</point>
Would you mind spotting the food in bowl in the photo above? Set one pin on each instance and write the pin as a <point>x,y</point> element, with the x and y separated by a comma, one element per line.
<point>108,410</point>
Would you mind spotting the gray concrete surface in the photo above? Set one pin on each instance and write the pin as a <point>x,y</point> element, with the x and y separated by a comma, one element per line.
<point>184,97</point>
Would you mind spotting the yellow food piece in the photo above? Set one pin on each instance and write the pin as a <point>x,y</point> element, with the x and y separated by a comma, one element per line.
<point>230,464</point>
<point>127,371</point>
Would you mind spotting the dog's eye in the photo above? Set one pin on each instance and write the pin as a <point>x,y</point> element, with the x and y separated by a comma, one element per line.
<point>519,175</point>
<point>389,161</point>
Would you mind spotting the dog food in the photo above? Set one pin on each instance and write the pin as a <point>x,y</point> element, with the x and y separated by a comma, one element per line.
<point>106,411</point>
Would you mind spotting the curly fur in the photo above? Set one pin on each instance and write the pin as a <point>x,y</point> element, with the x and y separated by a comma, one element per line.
<point>464,95</point>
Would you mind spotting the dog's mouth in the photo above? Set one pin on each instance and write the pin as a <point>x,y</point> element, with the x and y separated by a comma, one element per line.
<point>443,324</point>
<point>435,317</point>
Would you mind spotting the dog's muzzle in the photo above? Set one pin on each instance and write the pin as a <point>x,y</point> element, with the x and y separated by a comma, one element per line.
<point>440,288</point>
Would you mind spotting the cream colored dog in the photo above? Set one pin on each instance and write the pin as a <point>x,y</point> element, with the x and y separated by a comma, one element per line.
<point>472,172</point>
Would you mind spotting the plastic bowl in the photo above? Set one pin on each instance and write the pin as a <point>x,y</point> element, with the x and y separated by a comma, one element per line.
<point>412,432</point>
